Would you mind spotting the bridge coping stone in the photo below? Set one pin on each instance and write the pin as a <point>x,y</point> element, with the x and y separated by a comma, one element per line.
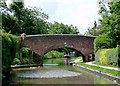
<point>46,35</point>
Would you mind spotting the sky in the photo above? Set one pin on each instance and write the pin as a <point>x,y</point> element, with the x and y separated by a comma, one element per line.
<point>80,13</point>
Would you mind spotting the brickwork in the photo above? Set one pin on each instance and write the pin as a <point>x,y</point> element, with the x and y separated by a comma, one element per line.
<point>41,44</point>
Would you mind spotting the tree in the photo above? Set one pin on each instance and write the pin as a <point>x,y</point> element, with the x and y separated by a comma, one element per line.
<point>110,13</point>
<point>95,31</point>
<point>24,20</point>
<point>60,28</point>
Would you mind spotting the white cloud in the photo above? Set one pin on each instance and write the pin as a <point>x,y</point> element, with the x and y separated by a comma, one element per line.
<point>81,13</point>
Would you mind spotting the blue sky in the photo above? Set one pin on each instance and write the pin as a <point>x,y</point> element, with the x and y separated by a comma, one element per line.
<point>80,13</point>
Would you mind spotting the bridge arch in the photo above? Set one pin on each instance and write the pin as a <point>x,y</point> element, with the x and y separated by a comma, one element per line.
<point>67,48</point>
<point>42,44</point>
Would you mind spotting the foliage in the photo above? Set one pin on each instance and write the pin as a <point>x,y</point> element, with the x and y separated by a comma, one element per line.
<point>112,56</point>
<point>107,56</point>
<point>60,28</point>
<point>9,46</point>
<point>16,61</point>
<point>119,55</point>
<point>103,41</point>
<point>110,71</point>
<point>94,31</point>
<point>54,54</point>
<point>19,19</point>
<point>110,13</point>
<point>101,56</point>
<point>25,56</point>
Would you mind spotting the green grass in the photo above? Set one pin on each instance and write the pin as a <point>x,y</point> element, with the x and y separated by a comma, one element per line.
<point>105,65</point>
<point>76,59</point>
<point>110,71</point>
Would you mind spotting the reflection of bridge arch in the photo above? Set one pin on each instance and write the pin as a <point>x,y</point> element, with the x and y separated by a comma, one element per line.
<point>41,44</point>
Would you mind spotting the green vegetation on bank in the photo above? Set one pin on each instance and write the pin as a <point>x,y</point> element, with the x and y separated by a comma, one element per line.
<point>54,54</point>
<point>110,71</point>
<point>76,59</point>
<point>107,32</point>
<point>9,48</point>
<point>108,56</point>
<point>103,42</point>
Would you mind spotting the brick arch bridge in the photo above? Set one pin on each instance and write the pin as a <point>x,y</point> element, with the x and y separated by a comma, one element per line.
<point>41,44</point>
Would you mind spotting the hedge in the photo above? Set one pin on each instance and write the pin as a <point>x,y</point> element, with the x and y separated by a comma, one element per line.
<point>112,56</point>
<point>102,42</point>
<point>9,47</point>
<point>108,56</point>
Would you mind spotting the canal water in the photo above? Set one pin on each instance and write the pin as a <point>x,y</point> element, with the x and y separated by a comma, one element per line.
<point>65,74</point>
<point>57,73</point>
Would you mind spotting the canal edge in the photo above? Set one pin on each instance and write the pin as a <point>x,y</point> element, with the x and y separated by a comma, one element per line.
<point>115,79</point>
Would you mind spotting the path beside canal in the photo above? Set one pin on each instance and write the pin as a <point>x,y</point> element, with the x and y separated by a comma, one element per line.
<point>113,68</point>
<point>91,63</point>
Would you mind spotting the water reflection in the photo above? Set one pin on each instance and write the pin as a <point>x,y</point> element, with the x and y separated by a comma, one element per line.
<point>48,74</point>
<point>58,75</point>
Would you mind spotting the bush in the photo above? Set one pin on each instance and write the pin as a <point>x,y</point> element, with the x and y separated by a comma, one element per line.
<point>112,56</point>
<point>108,56</point>
<point>16,61</point>
<point>119,56</point>
<point>103,41</point>
<point>9,46</point>
<point>101,56</point>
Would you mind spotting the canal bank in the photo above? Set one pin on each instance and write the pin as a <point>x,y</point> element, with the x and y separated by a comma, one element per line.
<point>116,79</point>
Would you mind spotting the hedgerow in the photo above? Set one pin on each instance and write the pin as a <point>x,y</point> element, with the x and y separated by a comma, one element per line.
<point>112,56</point>
<point>9,46</point>
<point>108,56</point>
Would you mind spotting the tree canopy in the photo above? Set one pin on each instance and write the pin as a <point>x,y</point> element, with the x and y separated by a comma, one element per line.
<point>17,19</point>
<point>110,19</point>
<point>60,28</point>
<point>24,20</point>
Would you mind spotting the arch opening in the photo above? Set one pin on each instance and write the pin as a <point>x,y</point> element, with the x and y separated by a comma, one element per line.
<point>61,52</point>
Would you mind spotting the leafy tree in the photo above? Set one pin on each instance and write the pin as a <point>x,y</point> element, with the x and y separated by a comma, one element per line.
<point>110,13</point>
<point>103,41</point>
<point>24,20</point>
<point>60,28</point>
<point>95,31</point>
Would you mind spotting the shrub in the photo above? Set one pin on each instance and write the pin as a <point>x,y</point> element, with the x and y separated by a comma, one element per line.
<point>103,41</point>
<point>101,56</point>
<point>119,55</point>
<point>9,46</point>
<point>107,56</point>
<point>112,56</point>
<point>16,61</point>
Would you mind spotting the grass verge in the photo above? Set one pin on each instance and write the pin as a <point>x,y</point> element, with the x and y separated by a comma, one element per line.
<point>76,59</point>
<point>105,65</point>
<point>110,71</point>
